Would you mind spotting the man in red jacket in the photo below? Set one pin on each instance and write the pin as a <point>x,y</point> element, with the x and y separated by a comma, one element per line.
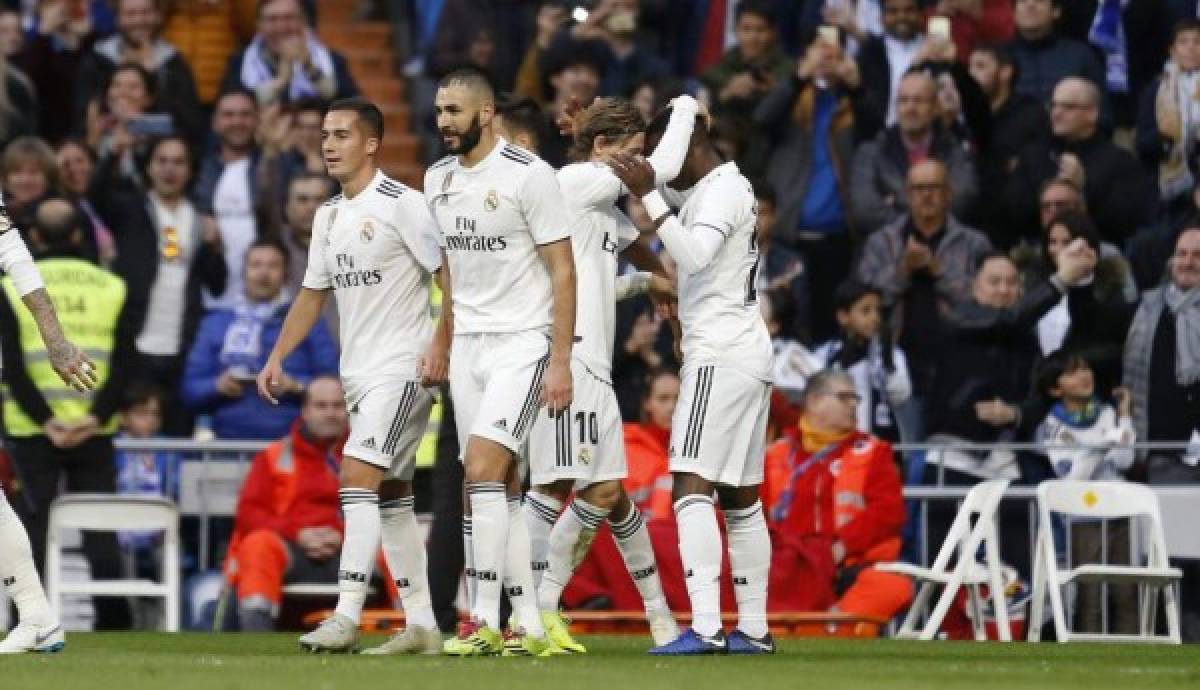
<point>289,524</point>
<point>835,508</point>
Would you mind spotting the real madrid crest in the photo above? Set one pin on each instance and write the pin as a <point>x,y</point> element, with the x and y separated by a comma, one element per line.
<point>367,233</point>
<point>492,201</point>
<point>585,456</point>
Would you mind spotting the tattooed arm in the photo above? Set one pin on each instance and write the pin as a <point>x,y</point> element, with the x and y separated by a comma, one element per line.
<point>72,365</point>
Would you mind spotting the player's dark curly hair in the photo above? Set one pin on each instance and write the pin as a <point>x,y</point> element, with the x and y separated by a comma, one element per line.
<point>614,118</point>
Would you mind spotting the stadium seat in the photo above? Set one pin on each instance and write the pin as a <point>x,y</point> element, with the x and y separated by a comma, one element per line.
<point>110,512</point>
<point>1105,500</point>
<point>963,539</point>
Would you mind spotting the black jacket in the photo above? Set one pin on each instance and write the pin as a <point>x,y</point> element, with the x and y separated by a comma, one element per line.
<point>994,352</point>
<point>1021,121</point>
<point>1119,195</point>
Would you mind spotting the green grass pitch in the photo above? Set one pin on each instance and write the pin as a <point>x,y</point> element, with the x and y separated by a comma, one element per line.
<point>137,661</point>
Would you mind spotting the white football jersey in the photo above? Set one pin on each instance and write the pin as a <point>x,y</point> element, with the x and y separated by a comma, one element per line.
<point>493,216</point>
<point>599,230</point>
<point>718,305</point>
<point>376,252</point>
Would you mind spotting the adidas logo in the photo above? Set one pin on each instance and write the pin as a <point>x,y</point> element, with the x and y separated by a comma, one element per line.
<point>501,424</point>
<point>689,573</point>
<point>740,581</point>
<point>539,566</point>
<point>644,573</point>
<point>369,444</point>
<point>352,577</point>
<point>403,583</point>
<point>486,575</point>
<point>9,581</point>
<point>517,591</point>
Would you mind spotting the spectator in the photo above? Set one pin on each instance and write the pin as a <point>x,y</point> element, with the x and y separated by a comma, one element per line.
<point>51,57</point>
<point>460,24</point>
<point>226,187</point>
<point>1152,248</point>
<point>286,62</point>
<point>232,345</point>
<point>76,165</point>
<point>646,443</point>
<point>884,60</point>
<point>1162,371</point>
<point>863,349</point>
<point>922,264</point>
<point>12,38</point>
<point>616,23</point>
<point>976,22</point>
<point>877,180</point>
<point>551,18</point>
<point>207,33</point>
<point>1117,193</point>
<point>1079,417</point>
<point>1017,120</point>
<point>1168,133</point>
<point>144,473</point>
<point>306,193</point>
<point>752,67</point>
<point>54,430</point>
<point>834,500</point>
<point>1131,38</point>
<point>521,122</point>
<point>574,68</point>
<point>120,123</point>
<point>288,527</point>
<point>781,268</point>
<point>18,102</point>
<point>812,119</point>
<point>30,174</point>
<point>167,255</point>
<point>1044,58</point>
<point>1092,319</point>
<point>138,41</point>
<point>291,146</point>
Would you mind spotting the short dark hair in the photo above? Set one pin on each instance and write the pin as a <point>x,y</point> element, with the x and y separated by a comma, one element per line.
<point>992,255</point>
<point>763,8</point>
<point>473,78</point>
<point>1078,225</point>
<point>523,115</point>
<point>270,242</point>
<point>369,114</point>
<point>141,392</point>
<point>1003,55</point>
<point>152,148</point>
<point>147,77</point>
<point>1051,369</point>
<point>1183,26</point>
<point>237,91</point>
<point>309,105</point>
<point>849,292</point>
<point>307,176</point>
<point>566,51</point>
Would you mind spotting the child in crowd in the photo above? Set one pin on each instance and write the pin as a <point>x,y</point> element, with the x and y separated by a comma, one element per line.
<point>879,369</point>
<point>1086,438</point>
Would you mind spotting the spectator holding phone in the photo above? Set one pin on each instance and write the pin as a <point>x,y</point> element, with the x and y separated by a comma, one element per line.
<point>232,345</point>
<point>121,122</point>
<point>137,42</point>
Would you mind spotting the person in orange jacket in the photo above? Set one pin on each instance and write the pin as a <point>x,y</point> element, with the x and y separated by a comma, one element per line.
<point>835,508</point>
<point>288,524</point>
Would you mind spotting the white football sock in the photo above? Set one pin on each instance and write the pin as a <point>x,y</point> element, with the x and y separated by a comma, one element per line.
<point>700,551</point>
<point>518,575</point>
<point>633,539</point>
<point>541,512</point>
<point>489,540</point>
<point>404,550</point>
<point>469,561</point>
<point>360,510</point>
<point>570,540</point>
<point>17,571</point>
<point>750,559</point>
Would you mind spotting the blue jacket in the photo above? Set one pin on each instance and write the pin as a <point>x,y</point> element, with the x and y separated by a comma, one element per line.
<point>251,417</point>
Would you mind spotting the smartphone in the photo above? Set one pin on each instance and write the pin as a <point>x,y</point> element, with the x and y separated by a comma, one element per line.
<point>621,22</point>
<point>829,34</point>
<point>152,125</point>
<point>939,27</point>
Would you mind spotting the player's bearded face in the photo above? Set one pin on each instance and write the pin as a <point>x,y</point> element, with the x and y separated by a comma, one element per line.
<point>458,142</point>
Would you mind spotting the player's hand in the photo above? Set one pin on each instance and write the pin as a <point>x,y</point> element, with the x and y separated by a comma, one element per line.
<point>557,387</point>
<point>434,365</point>
<point>72,365</point>
<point>268,380</point>
<point>634,171</point>
<point>567,118</point>
<point>663,295</point>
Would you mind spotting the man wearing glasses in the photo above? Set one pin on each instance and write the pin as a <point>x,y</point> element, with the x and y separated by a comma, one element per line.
<point>834,502</point>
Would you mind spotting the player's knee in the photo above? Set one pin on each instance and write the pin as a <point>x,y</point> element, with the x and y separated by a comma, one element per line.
<point>393,489</point>
<point>603,495</point>
<point>737,497</point>
<point>356,474</point>
<point>486,461</point>
<point>686,484</point>
<point>559,491</point>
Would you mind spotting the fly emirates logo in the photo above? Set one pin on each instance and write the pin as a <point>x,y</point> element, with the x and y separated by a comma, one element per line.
<point>473,242</point>
<point>350,277</point>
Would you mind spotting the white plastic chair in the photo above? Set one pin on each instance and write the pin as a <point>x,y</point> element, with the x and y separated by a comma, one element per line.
<point>980,503</point>
<point>110,512</point>
<point>1109,500</point>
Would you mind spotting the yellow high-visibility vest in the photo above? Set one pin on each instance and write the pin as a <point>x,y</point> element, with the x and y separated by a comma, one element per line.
<point>88,300</point>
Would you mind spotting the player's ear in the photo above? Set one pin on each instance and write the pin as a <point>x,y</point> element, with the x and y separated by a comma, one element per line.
<point>372,145</point>
<point>487,113</point>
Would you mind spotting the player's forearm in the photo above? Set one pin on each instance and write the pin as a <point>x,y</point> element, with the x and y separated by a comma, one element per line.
<point>561,265</point>
<point>692,251</point>
<point>443,332</point>
<point>39,305</point>
<point>668,156</point>
<point>301,318</point>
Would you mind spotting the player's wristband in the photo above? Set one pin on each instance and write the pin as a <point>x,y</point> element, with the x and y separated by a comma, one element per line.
<point>656,206</point>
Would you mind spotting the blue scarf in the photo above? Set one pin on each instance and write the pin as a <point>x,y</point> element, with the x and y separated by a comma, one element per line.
<point>242,350</point>
<point>1084,419</point>
<point>1108,34</point>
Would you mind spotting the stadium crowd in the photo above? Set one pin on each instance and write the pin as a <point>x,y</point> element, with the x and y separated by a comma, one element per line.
<point>987,212</point>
